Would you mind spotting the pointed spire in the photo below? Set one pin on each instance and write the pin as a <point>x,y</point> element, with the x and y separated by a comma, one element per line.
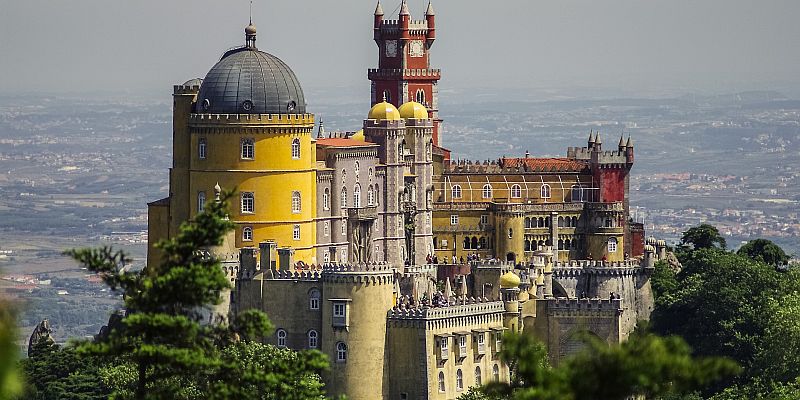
<point>321,129</point>
<point>404,9</point>
<point>463,287</point>
<point>597,139</point>
<point>448,290</point>
<point>378,9</point>
<point>591,136</point>
<point>630,142</point>
<point>621,141</point>
<point>430,11</point>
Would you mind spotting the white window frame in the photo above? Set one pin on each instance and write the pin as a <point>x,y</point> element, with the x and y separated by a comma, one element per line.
<point>201,201</point>
<point>248,149</point>
<point>545,191</point>
<point>456,192</point>
<point>613,245</point>
<point>339,310</point>
<point>341,352</point>
<point>343,198</point>
<point>314,297</point>
<point>313,339</point>
<point>516,191</point>
<point>496,373</point>
<point>478,377</point>
<point>281,335</point>
<point>326,228</point>
<point>296,232</point>
<point>296,202</point>
<point>202,145</point>
<point>485,219</point>
<point>453,219</point>
<point>459,380</point>
<point>487,191</point>
<point>357,196</point>
<point>442,387</point>
<point>247,234</point>
<point>326,199</point>
<point>295,149</point>
<point>248,203</point>
<point>370,196</point>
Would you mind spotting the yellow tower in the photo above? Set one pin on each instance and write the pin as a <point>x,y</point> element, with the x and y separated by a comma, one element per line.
<point>246,129</point>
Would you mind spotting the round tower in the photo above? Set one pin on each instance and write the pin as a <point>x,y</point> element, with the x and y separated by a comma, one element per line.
<point>356,299</point>
<point>509,293</point>
<point>510,237</point>
<point>247,128</point>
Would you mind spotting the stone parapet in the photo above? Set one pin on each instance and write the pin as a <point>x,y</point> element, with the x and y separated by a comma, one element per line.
<point>470,307</point>
<point>583,307</point>
<point>404,73</point>
<point>212,120</point>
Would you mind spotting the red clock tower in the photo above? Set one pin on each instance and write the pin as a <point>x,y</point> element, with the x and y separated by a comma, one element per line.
<point>404,73</point>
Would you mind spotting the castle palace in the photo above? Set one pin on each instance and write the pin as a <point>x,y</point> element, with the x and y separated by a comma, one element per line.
<point>375,247</point>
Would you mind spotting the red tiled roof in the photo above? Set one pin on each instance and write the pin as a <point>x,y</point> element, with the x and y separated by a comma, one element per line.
<point>544,164</point>
<point>341,142</point>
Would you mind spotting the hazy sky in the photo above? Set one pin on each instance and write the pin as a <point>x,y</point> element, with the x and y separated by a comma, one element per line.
<point>148,45</point>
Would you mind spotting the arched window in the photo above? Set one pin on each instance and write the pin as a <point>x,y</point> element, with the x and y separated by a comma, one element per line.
<point>357,196</point>
<point>474,243</point>
<point>326,199</point>
<point>527,245</point>
<point>356,168</point>
<point>478,377</point>
<point>370,196</point>
<point>248,203</point>
<point>483,243</point>
<point>295,202</point>
<point>527,222</point>
<point>296,232</point>
<point>545,192</point>
<point>343,198</point>
<point>560,244</point>
<point>248,149</point>
<point>344,227</point>
<point>567,244</point>
<point>295,148</point>
<point>201,201</point>
<point>377,195</point>
<point>487,191</point>
<point>459,380</point>
<point>466,243</point>
<point>560,222</point>
<point>516,191</point>
<point>456,191</point>
<point>510,233</point>
<point>612,245</point>
<point>313,299</point>
<point>547,222</point>
<point>281,334</point>
<point>327,228</point>
<point>201,148</point>
<point>574,222</point>
<point>247,234</point>
<point>341,352</point>
<point>420,96</point>
<point>441,382</point>
<point>312,339</point>
<point>344,176</point>
<point>496,373</point>
<point>540,223</point>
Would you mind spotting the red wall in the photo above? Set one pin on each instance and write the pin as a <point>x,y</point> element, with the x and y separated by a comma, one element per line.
<point>612,184</point>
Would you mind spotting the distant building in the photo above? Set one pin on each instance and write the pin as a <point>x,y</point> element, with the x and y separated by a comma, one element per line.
<point>376,248</point>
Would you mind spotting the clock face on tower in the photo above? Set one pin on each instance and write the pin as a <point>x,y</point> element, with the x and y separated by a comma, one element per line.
<point>391,48</point>
<point>416,48</point>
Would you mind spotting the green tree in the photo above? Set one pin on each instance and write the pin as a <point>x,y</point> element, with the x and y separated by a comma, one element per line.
<point>161,350</point>
<point>663,281</point>
<point>644,365</point>
<point>703,236</point>
<point>729,305</point>
<point>765,251</point>
<point>54,373</point>
<point>10,382</point>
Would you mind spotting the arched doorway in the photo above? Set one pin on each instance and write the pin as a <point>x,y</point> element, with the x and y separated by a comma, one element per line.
<point>511,257</point>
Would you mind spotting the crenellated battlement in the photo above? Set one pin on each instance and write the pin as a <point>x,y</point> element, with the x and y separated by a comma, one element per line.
<point>564,306</point>
<point>185,89</point>
<point>515,166</point>
<point>296,275</point>
<point>574,268</point>
<point>413,73</point>
<point>615,158</point>
<point>466,307</point>
<point>201,120</point>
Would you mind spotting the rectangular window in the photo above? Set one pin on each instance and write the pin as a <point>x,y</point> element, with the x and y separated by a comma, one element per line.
<point>296,232</point>
<point>338,310</point>
<point>201,149</point>
<point>454,219</point>
<point>484,219</point>
<point>339,313</point>
<point>327,228</point>
<point>248,203</point>
<point>248,149</point>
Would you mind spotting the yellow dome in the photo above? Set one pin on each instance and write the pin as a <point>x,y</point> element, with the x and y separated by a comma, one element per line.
<point>384,110</point>
<point>359,135</point>
<point>509,280</point>
<point>414,110</point>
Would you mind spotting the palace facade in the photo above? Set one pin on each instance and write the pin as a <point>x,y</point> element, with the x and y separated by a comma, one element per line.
<point>378,249</point>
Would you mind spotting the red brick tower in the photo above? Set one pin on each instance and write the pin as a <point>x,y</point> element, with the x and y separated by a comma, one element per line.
<point>404,72</point>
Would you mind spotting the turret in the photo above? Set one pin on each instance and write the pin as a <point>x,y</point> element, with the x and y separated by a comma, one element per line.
<point>378,21</point>
<point>430,17</point>
<point>405,19</point>
<point>621,146</point>
<point>598,143</point>
<point>590,141</point>
<point>509,292</point>
<point>629,150</point>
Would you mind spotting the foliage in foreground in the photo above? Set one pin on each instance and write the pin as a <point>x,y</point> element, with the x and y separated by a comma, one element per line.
<point>162,349</point>
<point>10,382</point>
<point>645,365</point>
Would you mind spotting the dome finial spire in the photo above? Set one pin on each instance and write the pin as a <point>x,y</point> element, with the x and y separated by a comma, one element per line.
<point>250,30</point>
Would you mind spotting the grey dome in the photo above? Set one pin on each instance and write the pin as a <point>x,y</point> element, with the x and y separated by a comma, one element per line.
<point>249,81</point>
